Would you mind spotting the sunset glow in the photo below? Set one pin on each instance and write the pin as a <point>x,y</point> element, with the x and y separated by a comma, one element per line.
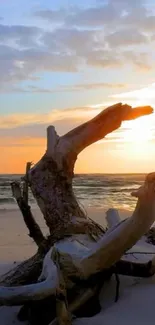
<point>139,131</point>
<point>62,65</point>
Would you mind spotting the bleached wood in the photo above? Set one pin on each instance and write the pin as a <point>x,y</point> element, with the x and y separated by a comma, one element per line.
<point>84,261</point>
<point>111,247</point>
<point>51,178</point>
<point>52,140</point>
<point>112,217</point>
<point>81,299</point>
<point>62,310</point>
<point>51,183</point>
<point>21,294</point>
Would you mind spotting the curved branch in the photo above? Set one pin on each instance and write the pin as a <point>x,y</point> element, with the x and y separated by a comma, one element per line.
<point>107,121</point>
<point>112,246</point>
<point>20,294</point>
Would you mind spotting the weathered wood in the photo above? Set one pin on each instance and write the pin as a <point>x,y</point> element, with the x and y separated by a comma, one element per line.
<point>62,310</point>
<point>112,217</point>
<point>126,267</point>
<point>34,229</point>
<point>97,128</point>
<point>150,235</point>
<point>51,183</point>
<point>105,253</point>
<point>109,249</point>
<point>51,178</point>
<point>81,299</point>
<point>24,273</point>
<point>46,287</point>
<point>141,270</point>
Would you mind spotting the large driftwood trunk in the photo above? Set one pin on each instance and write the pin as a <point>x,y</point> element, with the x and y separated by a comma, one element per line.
<point>51,178</point>
<point>76,248</point>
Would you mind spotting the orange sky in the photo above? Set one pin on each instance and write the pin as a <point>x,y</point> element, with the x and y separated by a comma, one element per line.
<point>129,149</point>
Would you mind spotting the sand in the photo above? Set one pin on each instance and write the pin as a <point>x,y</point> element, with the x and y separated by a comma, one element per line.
<point>137,296</point>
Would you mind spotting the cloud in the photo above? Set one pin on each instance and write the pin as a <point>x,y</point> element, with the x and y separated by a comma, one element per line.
<point>78,114</point>
<point>29,130</point>
<point>57,16</point>
<point>24,36</point>
<point>126,37</point>
<point>77,38</point>
<point>139,18</point>
<point>18,65</point>
<point>70,40</point>
<point>144,93</point>
<point>141,60</point>
<point>92,17</point>
<point>105,13</point>
<point>113,14</point>
<point>71,88</point>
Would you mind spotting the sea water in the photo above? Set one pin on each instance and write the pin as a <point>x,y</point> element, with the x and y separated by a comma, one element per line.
<point>92,190</point>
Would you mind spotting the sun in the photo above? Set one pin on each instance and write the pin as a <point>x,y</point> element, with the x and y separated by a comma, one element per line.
<point>138,131</point>
<point>137,137</point>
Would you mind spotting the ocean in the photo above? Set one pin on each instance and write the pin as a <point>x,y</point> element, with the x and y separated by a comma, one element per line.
<point>92,190</point>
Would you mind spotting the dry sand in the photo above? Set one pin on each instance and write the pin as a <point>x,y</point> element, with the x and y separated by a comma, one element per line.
<point>137,296</point>
<point>16,245</point>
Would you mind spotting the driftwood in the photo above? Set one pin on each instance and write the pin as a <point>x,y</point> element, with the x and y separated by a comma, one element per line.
<point>85,251</point>
<point>34,230</point>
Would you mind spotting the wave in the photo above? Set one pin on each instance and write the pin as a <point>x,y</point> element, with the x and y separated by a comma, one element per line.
<point>91,190</point>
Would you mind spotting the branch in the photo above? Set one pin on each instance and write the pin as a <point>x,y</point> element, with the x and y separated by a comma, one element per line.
<point>62,311</point>
<point>141,270</point>
<point>107,121</point>
<point>24,273</point>
<point>80,299</point>
<point>33,227</point>
<point>112,246</point>
<point>19,295</point>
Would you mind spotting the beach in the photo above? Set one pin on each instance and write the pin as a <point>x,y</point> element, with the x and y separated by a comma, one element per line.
<point>136,302</point>
<point>16,245</point>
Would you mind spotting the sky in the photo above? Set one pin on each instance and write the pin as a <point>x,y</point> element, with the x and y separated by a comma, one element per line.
<point>61,63</point>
